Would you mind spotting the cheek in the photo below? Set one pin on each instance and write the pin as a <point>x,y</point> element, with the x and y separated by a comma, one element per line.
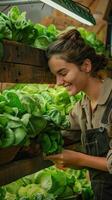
<point>73,78</point>
<point>81,82</point>
<point>77,83</point>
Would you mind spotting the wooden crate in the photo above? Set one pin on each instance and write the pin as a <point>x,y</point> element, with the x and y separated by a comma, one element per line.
<point>24,64</point>
<point>17,169</point>
<point>18,161</point>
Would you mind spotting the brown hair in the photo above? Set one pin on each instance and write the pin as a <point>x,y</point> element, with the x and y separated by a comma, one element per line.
<point>72,48</point>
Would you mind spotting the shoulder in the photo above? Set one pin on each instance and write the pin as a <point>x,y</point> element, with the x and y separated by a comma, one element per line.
<point>107,84</point>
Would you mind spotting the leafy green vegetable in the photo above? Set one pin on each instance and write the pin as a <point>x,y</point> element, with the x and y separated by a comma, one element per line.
<point>13,100</point>
<point>44,178</point>
<point>38,196</point>
<point>7,139</point>
<point>46,143</point>
<point>19,134</point>
<point>13,14</point>
<point>14,187</point>
<point>50,184</point>
<point>36,125</point>
<point>32,111</point>
<point>91,39</point>
<point>2,193</point>
<point>42,42</point>
<point>30,191</point>
<point>68,191</point>
<point>41,29</point>
<point>5,27</point>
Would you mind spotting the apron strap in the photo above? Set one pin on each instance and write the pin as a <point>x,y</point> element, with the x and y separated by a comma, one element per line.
<point>107,111</point>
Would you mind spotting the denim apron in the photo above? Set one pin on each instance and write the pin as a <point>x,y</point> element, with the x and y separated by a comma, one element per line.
<point>96,142</point>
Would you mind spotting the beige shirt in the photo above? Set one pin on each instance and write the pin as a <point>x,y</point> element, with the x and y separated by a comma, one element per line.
<point>81,116</point>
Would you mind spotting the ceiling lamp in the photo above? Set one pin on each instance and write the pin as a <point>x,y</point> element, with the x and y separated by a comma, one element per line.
<point>69,7</point>
<point>73,9</point>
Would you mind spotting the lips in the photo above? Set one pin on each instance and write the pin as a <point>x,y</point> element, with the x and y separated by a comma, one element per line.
<point>67,86</point>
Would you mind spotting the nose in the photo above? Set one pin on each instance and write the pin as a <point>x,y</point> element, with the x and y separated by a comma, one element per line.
<point>59,80</point>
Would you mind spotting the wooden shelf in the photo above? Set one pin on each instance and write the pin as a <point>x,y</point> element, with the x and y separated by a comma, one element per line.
<point>17,169</point>
<point>24,64</point>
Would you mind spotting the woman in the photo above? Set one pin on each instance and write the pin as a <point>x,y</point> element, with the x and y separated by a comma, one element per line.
<point>76,65</point>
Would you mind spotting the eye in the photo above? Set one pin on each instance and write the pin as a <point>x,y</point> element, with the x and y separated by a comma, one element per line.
<point>63,73</point>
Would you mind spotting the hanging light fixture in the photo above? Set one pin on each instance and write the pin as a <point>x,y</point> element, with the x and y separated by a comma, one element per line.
<point>73,9</point>
<point>69,7</point>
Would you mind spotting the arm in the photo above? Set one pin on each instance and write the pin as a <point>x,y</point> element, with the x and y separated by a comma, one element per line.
<point>99,163</point>
<point>79,160</point>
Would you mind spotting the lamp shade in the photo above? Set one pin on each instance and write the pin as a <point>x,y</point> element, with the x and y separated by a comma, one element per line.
<point>73,9</point>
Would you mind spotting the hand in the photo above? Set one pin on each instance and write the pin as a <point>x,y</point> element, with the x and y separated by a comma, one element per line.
<point>66,159</point>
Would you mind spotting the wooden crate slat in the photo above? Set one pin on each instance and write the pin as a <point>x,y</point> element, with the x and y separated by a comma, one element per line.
<point>24,64</point>
<point>16,52</point>
<point>15,170</point>
<point>20,73</point>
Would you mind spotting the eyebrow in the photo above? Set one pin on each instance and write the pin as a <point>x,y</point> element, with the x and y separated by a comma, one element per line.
<point>61,70</point>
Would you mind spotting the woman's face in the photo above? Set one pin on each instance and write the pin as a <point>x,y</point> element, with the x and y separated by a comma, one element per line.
<point>68,75</point>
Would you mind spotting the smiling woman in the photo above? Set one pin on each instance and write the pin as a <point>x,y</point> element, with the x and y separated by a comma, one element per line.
<point>74,61</point>
<point>76,66</point>
<point>66,74</point>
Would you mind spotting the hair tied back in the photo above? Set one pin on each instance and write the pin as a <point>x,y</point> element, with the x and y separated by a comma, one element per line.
<point>72,35</point>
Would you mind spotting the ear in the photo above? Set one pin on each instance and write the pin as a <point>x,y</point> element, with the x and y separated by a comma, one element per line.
<point>86,66</point>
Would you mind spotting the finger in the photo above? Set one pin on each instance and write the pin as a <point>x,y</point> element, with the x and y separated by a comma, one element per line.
<point>56,156</point>
<point>60,166</point>
<point>53,157</point>
<point>47,157</point>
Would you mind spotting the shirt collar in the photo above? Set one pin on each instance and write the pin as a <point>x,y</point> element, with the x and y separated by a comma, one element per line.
<point>105,92</point>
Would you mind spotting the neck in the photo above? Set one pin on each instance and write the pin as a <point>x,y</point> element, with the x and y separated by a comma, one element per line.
<point>93,89</point>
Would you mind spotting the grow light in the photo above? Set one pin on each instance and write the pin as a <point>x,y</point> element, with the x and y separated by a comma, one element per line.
<point>73,9</point>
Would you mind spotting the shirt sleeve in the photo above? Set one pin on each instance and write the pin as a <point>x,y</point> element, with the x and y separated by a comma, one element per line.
<point>109,161</point>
